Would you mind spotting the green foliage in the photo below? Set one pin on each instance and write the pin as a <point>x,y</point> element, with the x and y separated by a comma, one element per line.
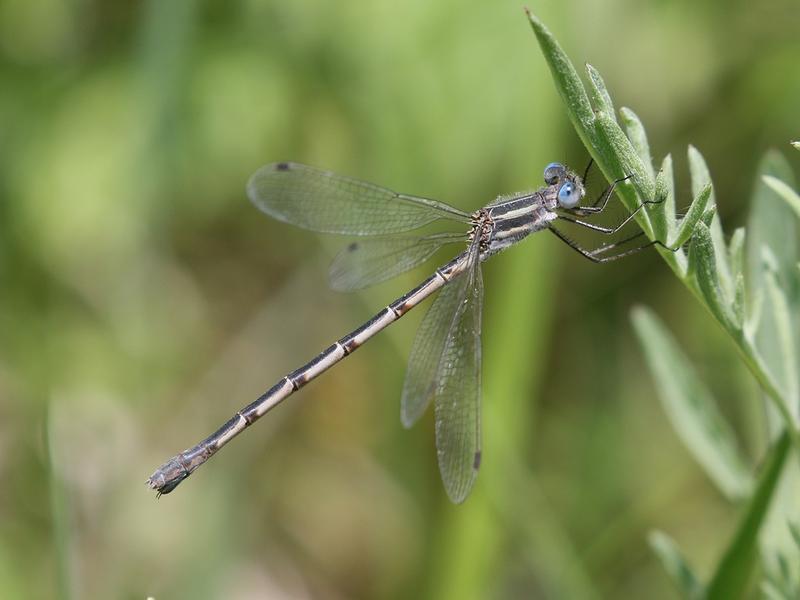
<point>675,564</point>
<point>143,300</point>
<point>758,309</point>
<point>735,568</point>
<point>691,408</point>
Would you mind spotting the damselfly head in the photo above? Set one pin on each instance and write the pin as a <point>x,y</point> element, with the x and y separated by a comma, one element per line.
<point>570,186</point>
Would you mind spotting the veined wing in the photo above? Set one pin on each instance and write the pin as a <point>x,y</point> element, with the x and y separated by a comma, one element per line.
<point>458,392</point>
<point>429,343</point>
<point>373,260</point>
<point>445,365</point>
<point>327,202</point>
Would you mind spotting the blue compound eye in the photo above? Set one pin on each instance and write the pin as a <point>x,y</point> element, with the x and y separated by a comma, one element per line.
<point>567,195</point>
<point>553,172</point>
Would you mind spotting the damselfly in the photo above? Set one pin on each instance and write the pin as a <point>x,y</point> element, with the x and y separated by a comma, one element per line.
<point>445,362</point>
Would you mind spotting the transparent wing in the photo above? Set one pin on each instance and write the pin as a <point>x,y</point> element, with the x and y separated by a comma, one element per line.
<point>458,393</point>
<point>323,201</point>
<point>372,260</point>
<point>429,343</point>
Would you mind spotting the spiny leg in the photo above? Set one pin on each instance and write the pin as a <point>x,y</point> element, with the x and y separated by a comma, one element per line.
<point>586,171</point>
<point>591,255</point>
<point>610,230</point>
<point>617,244</point>
<point>604,198</point>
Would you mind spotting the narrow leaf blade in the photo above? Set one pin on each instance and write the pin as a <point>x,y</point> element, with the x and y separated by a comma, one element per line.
<point>734,569</point>
<point>638,137</point>
<point>771,223</point>
<point>625,160</point>
<point>703,263</point>
<point>783,190</point>
<point>664,217</point>
<point>700,178</point>
<point>674,564</point>
<point>691,408</point>
<point>599,94</point>
<point>692,218</point>
<point>772,248</point>
<point>786,343</point>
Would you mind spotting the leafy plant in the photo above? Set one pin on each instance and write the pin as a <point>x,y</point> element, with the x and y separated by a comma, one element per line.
<point>751,288</point>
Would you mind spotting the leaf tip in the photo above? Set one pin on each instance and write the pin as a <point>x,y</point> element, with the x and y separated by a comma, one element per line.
<point>535,21</point>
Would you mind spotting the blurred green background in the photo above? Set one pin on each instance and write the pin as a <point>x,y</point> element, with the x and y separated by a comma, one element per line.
<point>144,299</point>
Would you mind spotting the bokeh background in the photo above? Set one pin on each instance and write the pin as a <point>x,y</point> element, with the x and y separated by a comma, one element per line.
<point>143,299</point>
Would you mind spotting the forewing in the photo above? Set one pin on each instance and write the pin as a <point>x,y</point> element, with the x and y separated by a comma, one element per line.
<point>366,262</point>
<point>458,394</point>
<point>327,202</point>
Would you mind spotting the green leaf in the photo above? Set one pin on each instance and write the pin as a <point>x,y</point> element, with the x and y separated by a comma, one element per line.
<point>700,178</point>
<point>703,263</point>
<point>795,533</point>
<point>784,191</point>
<point>736,253</point>
<point>691,408</point>
<point>692,218</point>
<point>638,138</point>
<point>779,543</point>
<point>699,172</point>
<point>597,128</point>
<point>567,82</point>
<point>674,564</point>
<point>663,215</point>
<point>708,216</point>
<point>771,223</point>
<point>599,94</point>
<point>787,349</point>
<point>772,233</point>
<point>772,592</point>
<point>736,566</point>
<point>796,145</point>
<point>624,159</point>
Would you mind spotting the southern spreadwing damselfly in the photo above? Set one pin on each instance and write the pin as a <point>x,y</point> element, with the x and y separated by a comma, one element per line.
<point>445,362</point>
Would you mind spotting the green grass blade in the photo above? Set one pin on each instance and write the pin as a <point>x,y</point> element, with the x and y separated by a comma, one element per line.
<point>691,408</point>
<point>734,570</point>
<point>675,565</point>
